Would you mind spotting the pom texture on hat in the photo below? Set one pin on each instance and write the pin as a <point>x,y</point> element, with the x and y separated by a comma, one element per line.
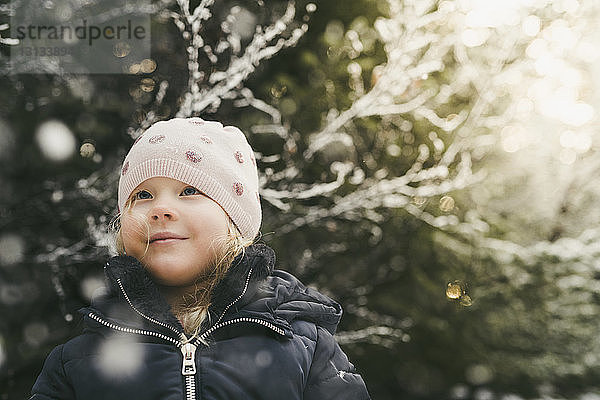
<point>216,160</point>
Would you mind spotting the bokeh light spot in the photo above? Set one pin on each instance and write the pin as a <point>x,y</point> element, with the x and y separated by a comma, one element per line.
<point>466,301</point>
<point>11,294</point>
<point>531,25</point>
<point>90,284</point>
<point>57,196</point>
<point>457,291</point>
<point>288,106</point>
<point>119,357</point>
<point>459,392</point>
<point>483,394</point>
<point>55,140</point>
<point>537,48</point>
<point>87,150</point>
<point>263,358</point>
<point>474,37</point>
<point>393,150</point>
<point>311,7</point>
<point>278,90</point>
<point>510,139</point>
<point>134,68</point>
<point>567,156</point>
<point>581,142</point>
<point>147,85</point>
<point>245,22</point>
<point>479,374</point>
<point>35,333</point>
<point>453,290</point>
<point>447,203</point>
<point>121,49</point>
<point>12,249</point>
<point>578,114</point>
<point>147,66</point>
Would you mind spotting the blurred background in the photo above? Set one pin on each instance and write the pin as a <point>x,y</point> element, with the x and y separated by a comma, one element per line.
<point>432,165</point>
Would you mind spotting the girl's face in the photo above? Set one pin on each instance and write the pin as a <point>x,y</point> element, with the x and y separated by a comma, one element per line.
<point>174,230</point>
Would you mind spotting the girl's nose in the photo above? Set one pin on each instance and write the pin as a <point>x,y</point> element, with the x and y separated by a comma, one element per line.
<point>163,213</point>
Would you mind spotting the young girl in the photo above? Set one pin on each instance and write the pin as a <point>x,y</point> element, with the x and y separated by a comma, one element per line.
<point>194,309</point>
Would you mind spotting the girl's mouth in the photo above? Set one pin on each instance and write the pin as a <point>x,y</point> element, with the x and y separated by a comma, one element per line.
<point>166,237</point>
<point>165,241</point>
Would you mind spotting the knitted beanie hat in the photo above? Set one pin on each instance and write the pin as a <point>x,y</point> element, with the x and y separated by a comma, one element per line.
<point>216,160</point>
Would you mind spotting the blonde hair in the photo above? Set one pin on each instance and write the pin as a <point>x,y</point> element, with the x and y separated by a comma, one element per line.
<point>192,309</point>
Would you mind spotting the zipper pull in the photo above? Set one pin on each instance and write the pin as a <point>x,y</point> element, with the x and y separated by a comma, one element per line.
<point>189,364</point>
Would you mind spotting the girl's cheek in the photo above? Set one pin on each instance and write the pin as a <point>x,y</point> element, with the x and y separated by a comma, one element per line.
<point>132,227</point>
<point>126,228</point>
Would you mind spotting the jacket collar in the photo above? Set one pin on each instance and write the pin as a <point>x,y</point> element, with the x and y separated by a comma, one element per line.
<point>251,288</point>
<point>242,281</point>
<point>133,298</point>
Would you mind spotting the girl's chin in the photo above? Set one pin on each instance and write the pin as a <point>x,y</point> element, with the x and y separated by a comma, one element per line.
<point>169,277</point>
<point>173,283</point>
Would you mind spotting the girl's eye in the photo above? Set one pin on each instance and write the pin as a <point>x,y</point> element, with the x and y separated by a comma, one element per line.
<point>142,195</point>
<point>190,191</point>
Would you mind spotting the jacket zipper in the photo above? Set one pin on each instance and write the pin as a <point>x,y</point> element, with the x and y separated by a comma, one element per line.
<point>188,370</point>
<point>132,330</point>
<point>259,321</point>
<point>177,331</point>
<point>188,350</point>
<point>237,299</point>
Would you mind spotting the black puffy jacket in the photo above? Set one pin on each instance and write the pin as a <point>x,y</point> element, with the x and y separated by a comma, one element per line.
<point>267,337</point>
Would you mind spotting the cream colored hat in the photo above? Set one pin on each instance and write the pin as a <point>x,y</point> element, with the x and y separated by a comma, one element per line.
<point>216,160</point>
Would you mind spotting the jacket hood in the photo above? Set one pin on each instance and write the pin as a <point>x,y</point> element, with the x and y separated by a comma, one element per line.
<point>288,299</point>
<point>251,287</point>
